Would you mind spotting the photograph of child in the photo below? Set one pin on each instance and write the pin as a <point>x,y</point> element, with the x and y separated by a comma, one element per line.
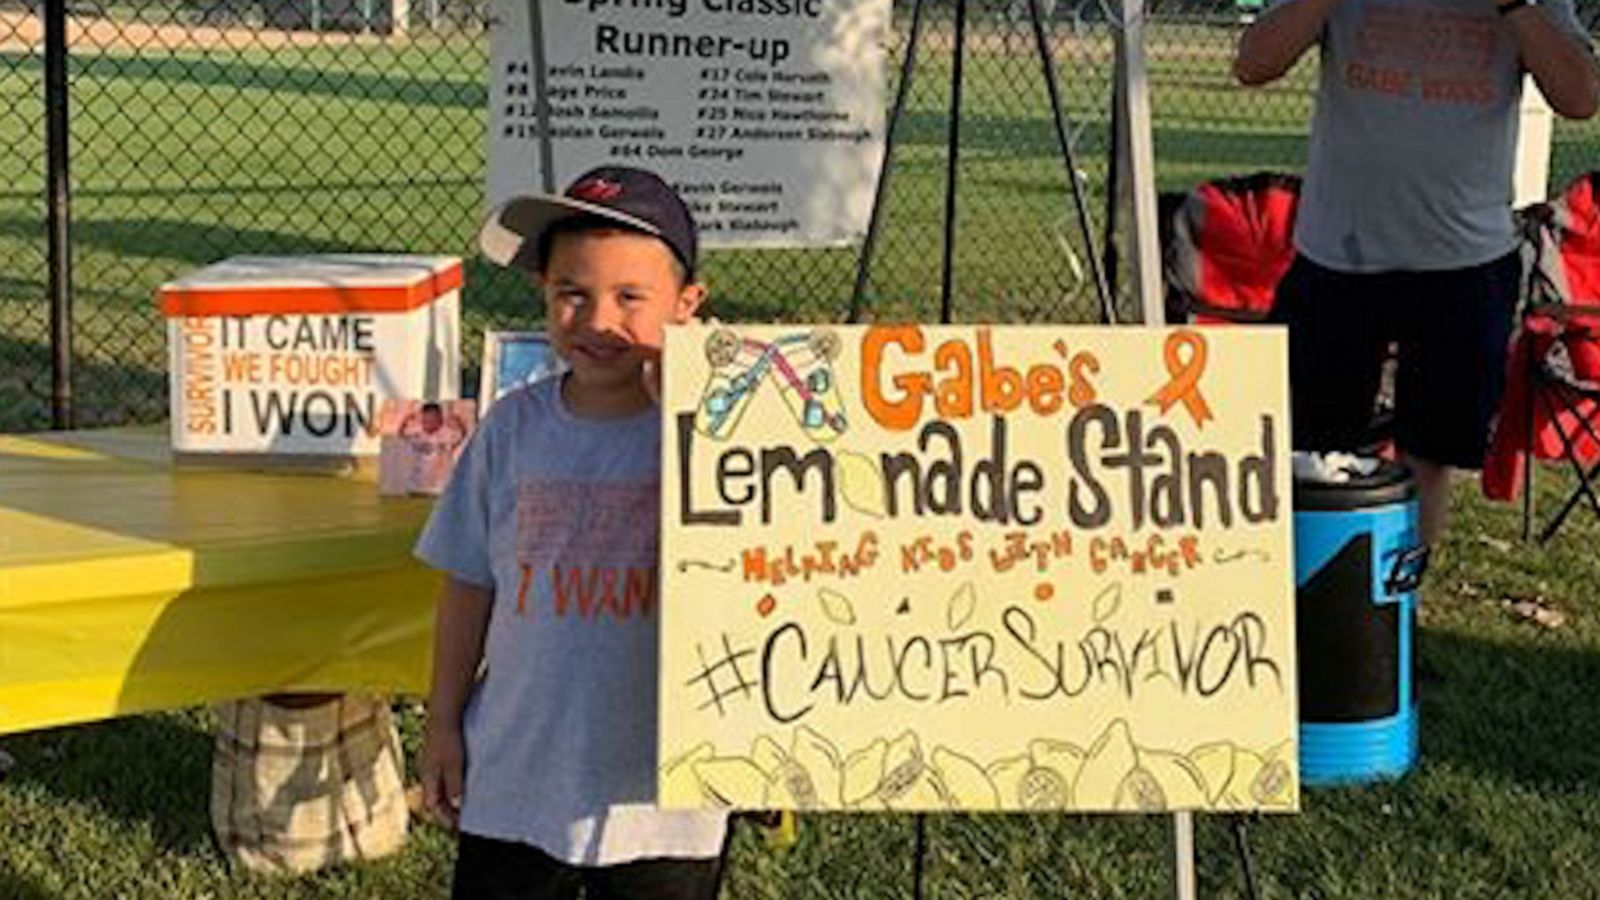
<point>420,442</point>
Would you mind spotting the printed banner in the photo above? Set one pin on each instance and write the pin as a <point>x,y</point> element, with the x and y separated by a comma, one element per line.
<point>284,384</point>
<point>766,115</point>
<point>975,568</point>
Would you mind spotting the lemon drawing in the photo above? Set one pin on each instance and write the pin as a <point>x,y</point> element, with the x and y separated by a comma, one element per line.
<point>908,782</point>
<point>1247,766</point>
<point>860,484</point>
<point>1117,775</point>
<point>1048,784</point>
<point>963,603</point>
<point>680,786</point>
<point>733,782</point>
<point>822,765</point>
<point>1139,792</point>
<point>1274,785</point>
<point>1043,788</point>
<point>892,775</point>
<point>786,783</point>
<point>1178,780</point>
<point>1041,780</point>
<point>966,785</point>
<point>806,776</point>
<point>1110,760</point>
<point>837,607</point>
<point>1214,762</point>
<point>863,771</point>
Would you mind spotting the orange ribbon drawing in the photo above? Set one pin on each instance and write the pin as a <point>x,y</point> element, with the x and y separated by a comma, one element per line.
<point>1184,385</point>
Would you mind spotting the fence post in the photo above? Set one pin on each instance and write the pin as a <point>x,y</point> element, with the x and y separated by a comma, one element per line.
<point>1138,164</point>
<point>58,214</point>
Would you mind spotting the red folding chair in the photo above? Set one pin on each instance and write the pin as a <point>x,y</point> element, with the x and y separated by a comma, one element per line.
<point>1230,242</point>
<point>1551,408</point>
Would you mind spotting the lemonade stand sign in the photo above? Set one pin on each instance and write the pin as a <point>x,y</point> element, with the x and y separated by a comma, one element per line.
<point>977,568</point>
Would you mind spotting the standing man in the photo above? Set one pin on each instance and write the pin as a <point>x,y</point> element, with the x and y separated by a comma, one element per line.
<point>1404,232</point>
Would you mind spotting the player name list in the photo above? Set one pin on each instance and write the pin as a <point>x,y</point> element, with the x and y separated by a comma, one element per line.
<point>767,115</point>
<point>738,115</point>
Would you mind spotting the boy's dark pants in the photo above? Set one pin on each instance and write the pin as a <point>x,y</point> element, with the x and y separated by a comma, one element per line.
<point>488,869</point>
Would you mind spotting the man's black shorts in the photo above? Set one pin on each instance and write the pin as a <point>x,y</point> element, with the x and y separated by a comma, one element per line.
<point>1451,327</point>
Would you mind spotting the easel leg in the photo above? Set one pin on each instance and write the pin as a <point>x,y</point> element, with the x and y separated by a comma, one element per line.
<point>952,168</point>
<point>891,141</point>
<point>1241,842</point>
<point>1183,878</point>
<point>541,93</point>
<point>921,857</point>
<point>1108,312</point>
<point>869,244</point>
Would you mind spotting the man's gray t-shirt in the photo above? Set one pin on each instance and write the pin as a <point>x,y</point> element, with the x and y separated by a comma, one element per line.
<point>558,514</point>
<point>1413,142</point>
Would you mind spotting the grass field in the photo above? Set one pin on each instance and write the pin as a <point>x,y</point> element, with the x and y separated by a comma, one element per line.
<point>184,157</point>
<point>1506,802</point>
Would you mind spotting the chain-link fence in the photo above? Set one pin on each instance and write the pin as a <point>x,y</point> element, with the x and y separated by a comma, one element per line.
<point>202,129</point>
<point>206,128</point>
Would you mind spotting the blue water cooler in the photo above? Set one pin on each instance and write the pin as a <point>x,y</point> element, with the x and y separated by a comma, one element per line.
<point>1359,560</point>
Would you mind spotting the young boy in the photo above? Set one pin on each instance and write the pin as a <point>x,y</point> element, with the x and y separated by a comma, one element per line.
<point>547,762</point>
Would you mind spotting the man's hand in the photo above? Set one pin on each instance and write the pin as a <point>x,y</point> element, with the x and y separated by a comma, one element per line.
<point>1561,65</point>
<point>442,764</point>
<point>1278,39</point>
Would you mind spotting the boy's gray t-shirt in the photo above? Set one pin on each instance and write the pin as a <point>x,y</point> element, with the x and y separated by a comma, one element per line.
<point>1413,142</point>
<point>558,514</point>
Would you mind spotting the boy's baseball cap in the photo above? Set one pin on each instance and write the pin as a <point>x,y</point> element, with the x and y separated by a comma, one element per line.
<point>632,198</point>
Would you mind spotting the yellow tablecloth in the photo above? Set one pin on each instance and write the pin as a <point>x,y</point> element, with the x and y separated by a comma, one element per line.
<point>127,585</point>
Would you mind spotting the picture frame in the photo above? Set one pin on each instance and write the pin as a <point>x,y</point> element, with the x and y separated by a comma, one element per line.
<point>419,444</point>
<point>512,359</point>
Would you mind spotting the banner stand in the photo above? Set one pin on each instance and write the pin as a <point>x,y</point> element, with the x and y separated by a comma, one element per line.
<point>1103,293</point>
<point>1241,843</point>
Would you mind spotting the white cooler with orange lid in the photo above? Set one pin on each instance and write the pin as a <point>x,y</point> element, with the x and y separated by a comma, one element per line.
<point>291,358</point>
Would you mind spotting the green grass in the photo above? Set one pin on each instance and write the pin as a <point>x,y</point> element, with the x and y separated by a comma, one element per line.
<point>1505,803</point>
<point>182,158</point>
